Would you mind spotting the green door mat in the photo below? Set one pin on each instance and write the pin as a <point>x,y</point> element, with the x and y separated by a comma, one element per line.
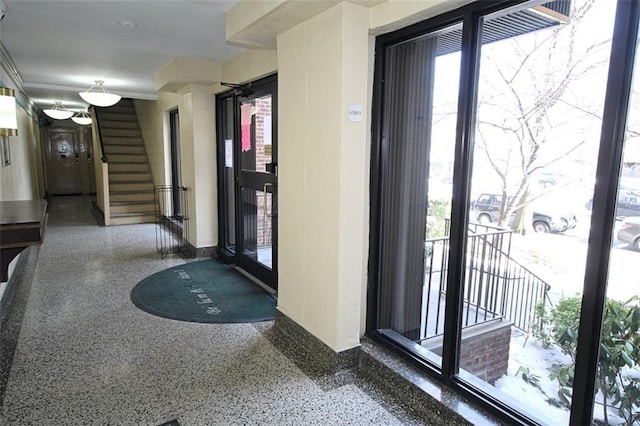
<point>204,291</point>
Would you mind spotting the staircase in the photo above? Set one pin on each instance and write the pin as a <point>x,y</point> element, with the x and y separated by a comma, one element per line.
<point>131,196</point>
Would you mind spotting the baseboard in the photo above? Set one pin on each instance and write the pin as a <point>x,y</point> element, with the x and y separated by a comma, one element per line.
<point>12,308</point>
<point>391,381</point>
<point>97,213</point>
<point>203,252</point>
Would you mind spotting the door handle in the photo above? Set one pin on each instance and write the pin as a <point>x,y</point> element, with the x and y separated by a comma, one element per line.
<point>77,159</point>
<point>264,199</point>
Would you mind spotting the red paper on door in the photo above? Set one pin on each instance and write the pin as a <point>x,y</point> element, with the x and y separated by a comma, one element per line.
<point>245,126</point>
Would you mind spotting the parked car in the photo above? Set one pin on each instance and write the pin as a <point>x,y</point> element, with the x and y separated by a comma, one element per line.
<point>628,203</point>
<point>629,231</point>
<point>486,210</point>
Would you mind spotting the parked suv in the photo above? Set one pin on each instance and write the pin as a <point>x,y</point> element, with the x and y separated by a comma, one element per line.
<point>486,210</point>
<point>628,203</point>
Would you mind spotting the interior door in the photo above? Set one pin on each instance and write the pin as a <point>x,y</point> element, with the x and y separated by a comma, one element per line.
<point>64,163</point>
<point>247,173</point>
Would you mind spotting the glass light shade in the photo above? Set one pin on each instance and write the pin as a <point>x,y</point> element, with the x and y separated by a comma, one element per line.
<point>8,117</point>
<point>101,97</point>
<point>58,112</point>
<point>82,118</point>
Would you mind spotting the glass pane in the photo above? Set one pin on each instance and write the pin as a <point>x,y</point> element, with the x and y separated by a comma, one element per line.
<point>422,78</point>
<point>540,102</point>
<point>257,226</point>
<point>229,175</point>
<point>617,384</point>
<point>256,127</point>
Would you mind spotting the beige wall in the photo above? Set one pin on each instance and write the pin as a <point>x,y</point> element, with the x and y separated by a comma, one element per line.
<point>250,65</point>
<point>198,155</point>
<point>22,180</point>
<point>323,67</point>
<point>153,117</point>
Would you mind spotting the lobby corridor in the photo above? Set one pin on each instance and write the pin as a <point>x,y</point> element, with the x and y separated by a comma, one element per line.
<point>87,356</point>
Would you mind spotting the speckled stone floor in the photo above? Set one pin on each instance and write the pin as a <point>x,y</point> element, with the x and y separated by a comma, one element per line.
<point>87,356</point>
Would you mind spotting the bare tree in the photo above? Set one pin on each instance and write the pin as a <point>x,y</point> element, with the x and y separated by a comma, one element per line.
<point>533,111</point>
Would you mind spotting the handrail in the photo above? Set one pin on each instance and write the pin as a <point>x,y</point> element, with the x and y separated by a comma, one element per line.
<point>103,155</point>
<point>496,285</point>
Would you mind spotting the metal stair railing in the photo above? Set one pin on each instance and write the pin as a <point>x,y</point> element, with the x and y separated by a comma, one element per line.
<point>496,285</point>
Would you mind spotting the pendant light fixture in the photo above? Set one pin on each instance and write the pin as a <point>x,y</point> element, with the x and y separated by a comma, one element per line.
<point>83,118</point>
<point>100,96</point>
<point>58,111</point>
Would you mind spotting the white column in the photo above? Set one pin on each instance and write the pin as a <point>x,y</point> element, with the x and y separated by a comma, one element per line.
<point>198,156</point>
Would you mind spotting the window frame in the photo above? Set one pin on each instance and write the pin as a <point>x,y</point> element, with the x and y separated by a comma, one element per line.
<point>609,165</point>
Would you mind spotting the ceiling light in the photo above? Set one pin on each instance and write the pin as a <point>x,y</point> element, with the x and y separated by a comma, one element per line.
<point>59,112</point>
<point>83,118</point>
<point>101,97</point>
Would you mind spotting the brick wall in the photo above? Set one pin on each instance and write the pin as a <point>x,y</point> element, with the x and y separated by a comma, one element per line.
<point>263,157</point>
<point>484,351</point>
<point>486,355</point>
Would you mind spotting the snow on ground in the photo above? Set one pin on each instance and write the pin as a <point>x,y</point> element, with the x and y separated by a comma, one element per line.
<point>530,354</point>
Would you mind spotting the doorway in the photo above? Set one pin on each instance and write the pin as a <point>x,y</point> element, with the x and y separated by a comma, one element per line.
<point>247,176</point>
<point>69,160</point>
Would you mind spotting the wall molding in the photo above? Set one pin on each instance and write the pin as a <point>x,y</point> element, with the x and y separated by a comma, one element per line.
<point>9,67</point>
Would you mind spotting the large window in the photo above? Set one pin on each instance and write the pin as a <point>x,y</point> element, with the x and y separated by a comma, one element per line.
<point>495,188</point>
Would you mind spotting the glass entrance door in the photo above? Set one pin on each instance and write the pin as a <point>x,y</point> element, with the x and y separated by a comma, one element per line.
<point>248,179</point>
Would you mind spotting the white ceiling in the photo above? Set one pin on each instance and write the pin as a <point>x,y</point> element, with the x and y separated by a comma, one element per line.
<point>61,47</point>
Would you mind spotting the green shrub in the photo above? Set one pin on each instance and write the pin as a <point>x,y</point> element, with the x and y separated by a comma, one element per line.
<point>438,211</point>
<point>618,380</point>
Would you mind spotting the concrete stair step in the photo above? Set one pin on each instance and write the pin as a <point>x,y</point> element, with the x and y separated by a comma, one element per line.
<point>127,158</point>
<point>117,124</point>
<point>124,149</point>
<point>130,177</point>
<point>132,218</point>
<point>144,207</point>
<point>118,140</point>
<point>127,115</point>
<point>130,187</point>
<point>119,133</point>
<point>118,197</point>
<point>128,167</point>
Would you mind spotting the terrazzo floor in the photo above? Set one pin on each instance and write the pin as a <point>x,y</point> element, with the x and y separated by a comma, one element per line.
<point>87,356</point>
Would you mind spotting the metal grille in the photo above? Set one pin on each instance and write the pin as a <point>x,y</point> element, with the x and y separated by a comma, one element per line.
<point>172,221</point>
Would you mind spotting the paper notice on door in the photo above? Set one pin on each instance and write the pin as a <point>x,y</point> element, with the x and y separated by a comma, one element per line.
<point>228,153</point>
<point>245,126</point>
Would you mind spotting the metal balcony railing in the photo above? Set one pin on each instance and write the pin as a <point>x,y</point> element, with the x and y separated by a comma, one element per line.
<point>496,285</point>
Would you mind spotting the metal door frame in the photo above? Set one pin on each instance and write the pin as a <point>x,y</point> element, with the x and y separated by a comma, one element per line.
<point>259,181</point>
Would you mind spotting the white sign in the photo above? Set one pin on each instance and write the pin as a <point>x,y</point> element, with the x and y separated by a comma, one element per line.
<point>355,112</point>
<point>228,153</point>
